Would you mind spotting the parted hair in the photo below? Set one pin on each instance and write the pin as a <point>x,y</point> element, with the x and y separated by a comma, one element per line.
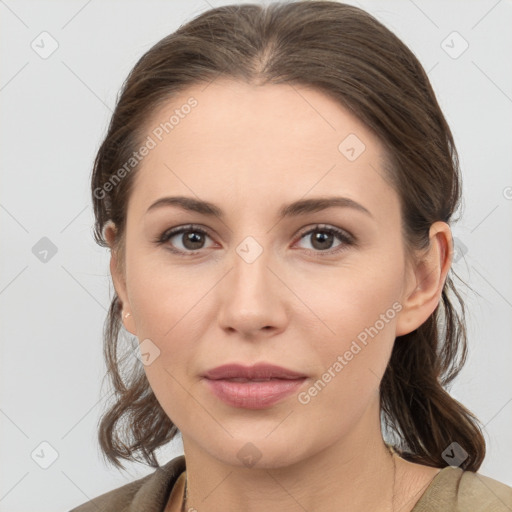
<point>349,55</point>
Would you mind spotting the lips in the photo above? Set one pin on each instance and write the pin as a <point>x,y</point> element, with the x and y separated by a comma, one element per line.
<point>253,387</point>
<point>257,372</point>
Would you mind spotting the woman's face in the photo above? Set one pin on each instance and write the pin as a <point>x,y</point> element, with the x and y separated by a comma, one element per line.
<point>257,286</point>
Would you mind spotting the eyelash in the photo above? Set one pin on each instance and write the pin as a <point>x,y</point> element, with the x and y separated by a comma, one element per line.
<point>343,236</point>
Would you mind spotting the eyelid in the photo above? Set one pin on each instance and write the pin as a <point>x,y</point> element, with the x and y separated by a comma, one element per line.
<point>328,227</point>
<point>164,237</point>
<point>346,238</point>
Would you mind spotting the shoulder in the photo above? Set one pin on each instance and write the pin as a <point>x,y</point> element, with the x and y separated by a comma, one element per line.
<point>147,493</point>
<point>479,492</point>
<point>455,490</point>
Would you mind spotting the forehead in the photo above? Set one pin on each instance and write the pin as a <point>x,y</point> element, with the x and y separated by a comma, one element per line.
<point>273,142</point>
<point>227,112</point>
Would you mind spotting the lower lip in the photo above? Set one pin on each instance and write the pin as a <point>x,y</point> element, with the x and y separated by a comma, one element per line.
<point>252,394</point>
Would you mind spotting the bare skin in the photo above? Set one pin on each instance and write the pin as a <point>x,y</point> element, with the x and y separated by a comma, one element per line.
<point>250,150</point>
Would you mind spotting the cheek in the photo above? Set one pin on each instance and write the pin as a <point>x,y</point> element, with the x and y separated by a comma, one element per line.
<point>162,303</point>
<point>163,296</point>
<point>352,330</point>
<point>165,305</point>
<point>343,301</point>
<point>173,308</point>
<point>330,305</point>
<point>334,312</point>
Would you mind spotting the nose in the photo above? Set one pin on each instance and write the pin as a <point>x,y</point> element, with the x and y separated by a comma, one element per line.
<point>253,298</point>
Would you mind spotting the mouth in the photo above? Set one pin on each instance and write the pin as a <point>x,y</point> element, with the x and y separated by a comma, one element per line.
<point>253,394</point>
<point>241,379</point>
<point>253,387</point>
<point>257,372</point>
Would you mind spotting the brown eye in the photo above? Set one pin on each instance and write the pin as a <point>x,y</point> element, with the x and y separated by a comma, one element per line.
<point>322,239</point>
<point>190,238</point>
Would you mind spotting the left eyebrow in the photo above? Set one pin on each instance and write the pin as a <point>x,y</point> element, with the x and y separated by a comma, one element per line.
<point>300,207</point>
<point>304,206</point>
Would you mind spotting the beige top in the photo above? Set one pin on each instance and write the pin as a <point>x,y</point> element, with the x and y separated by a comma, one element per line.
<point>451,490</point>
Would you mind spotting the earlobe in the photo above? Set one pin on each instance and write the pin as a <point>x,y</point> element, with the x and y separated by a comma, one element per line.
<point>429,275</point>
<point>128,322</point>
<point>108,232</point>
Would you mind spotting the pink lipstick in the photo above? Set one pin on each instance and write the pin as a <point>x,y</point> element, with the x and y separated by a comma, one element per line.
<point>253,387</point>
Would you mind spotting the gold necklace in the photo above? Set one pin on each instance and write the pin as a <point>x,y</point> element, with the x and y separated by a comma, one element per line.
<point>390,449</point>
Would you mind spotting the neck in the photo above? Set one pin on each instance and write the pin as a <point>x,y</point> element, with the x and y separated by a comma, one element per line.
<point>358,470</point>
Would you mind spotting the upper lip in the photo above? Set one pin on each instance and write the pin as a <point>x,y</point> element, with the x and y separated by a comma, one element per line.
<point>257,371</point>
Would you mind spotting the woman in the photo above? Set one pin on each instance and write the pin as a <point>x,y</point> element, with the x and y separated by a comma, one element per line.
<point>276,187</point>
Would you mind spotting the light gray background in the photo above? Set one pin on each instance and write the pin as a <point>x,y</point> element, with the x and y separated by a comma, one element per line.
<point>55,111</point>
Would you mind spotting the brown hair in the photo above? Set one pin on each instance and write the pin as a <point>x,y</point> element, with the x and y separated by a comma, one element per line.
<point>347,54</point>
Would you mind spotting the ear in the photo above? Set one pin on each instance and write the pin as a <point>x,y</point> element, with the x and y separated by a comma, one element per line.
<point>426,280</point>
<point>118,278</point>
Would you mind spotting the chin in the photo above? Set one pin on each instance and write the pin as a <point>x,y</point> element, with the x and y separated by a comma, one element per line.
<point>258,453</point>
